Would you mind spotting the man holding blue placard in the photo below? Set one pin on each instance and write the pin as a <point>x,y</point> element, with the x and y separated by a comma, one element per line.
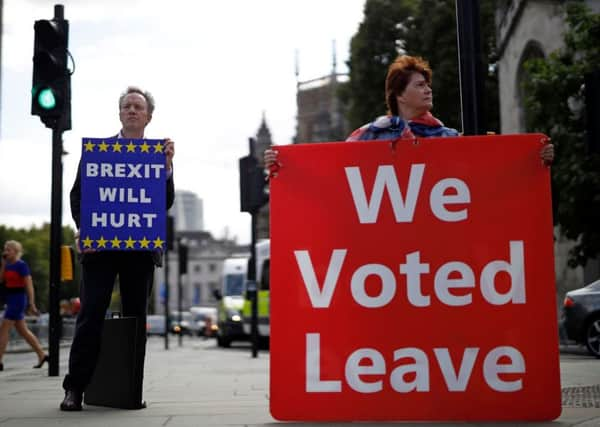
<point>121,217</point>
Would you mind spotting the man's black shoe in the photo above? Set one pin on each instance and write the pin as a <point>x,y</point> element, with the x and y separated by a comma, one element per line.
<point>72,401</point>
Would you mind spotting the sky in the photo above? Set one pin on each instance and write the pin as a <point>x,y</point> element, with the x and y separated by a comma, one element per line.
<point>213,67</point>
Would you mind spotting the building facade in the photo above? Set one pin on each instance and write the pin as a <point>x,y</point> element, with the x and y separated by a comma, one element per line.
<point>204,271</point>
<point>533,29</point>
<point>188,211</point>
<point>321,115</point>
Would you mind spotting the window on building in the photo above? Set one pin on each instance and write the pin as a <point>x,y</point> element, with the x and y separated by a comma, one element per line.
<point>197,268</point>
<point>212,267</point>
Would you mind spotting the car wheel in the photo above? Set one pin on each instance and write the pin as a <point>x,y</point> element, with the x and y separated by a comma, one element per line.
<point>592,337</point>
<point>223,341</point>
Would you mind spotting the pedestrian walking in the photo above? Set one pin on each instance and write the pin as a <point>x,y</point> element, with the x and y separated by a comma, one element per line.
<point>20,300</point>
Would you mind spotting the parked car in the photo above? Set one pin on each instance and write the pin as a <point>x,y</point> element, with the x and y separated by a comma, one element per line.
<point>581,316</point>
<point>206,320</point>
<point>155,324</point>
<point>187,326</point>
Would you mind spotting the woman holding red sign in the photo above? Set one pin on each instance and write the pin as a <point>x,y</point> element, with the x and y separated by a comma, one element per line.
<point>409,99</point>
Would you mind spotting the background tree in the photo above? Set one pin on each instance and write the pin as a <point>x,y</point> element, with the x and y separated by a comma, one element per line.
<point>555,106</point>
<point>380,37</point>
<point>424,28</point>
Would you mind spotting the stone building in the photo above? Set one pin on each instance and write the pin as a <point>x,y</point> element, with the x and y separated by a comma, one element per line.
<point>204,271</point>
<point>533,29</point>
<point>321,115</point>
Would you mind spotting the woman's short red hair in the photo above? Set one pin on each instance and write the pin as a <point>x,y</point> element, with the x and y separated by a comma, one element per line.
<point>398,76</point>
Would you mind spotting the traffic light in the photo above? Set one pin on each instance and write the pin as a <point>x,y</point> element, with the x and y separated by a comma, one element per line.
<point>67,257</point>
<point>51,87</point>
<point>254,188</point>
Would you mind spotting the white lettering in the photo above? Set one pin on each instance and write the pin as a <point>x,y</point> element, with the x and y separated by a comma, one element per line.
<point>385,178</point>
<point>149,219</point>
<point>437,199</point>
<point>107,194</point>
<point>388,285</point>
<point>120,170</point>
<point>123,170</point>
<point>91,170</point>
<point>413,270</point>
<point>516,270</point>
<point>98,219</point>
<point>443,283</point>
<point>314,384</point>
<point>456,382</point>
<point>420,368</point>
<point>354,370</point>
<point>491,369</point>
<point>320,298</point>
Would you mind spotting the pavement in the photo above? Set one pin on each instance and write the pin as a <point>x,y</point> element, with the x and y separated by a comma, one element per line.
<point>199,384</point>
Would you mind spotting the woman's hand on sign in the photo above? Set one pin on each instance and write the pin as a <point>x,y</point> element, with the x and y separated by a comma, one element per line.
<point>547,154</point>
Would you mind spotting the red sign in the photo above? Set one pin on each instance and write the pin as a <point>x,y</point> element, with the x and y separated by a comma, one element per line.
<point>413,281</point>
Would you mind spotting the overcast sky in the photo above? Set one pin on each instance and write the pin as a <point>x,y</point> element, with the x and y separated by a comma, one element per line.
<point>213,67</point>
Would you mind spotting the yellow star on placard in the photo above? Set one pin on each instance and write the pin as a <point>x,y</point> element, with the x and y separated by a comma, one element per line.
<point>158,148</point>
<point>131,147</point>
<point>103,146</point>
<point>101,242</point>
<point>130,243</point>
<point>116,243</point>
<point>145,148</point>
<point>89,146</point>
<point>116,147</point>
<point>87,242</point>
<point>144,243</point>
<point>158,243</point>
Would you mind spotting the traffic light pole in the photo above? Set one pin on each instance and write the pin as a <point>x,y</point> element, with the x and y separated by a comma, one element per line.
<point>179,293</point>
<point>470,67</point>
<point>252,278</point>
<point>55,244</point>
<point>167,323</point>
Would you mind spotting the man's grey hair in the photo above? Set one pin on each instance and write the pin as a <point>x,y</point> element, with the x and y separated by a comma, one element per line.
<point>147,95</point>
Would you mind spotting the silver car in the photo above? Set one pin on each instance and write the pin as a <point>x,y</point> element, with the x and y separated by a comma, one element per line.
<point>581,316</point>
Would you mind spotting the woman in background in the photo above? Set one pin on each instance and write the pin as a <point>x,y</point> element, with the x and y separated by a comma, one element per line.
<point>20,299</point>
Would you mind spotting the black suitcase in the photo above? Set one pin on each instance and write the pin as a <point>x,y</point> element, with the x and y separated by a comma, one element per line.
<point>117,380</point>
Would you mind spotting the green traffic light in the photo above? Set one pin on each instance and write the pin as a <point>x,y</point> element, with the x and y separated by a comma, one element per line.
<point>46,99</point>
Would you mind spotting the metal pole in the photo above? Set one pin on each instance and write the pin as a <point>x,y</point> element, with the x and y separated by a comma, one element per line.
<point>55,244</point>
<point>252,277</point>
<point>470,67</point>
<point>167,299</point>
<point>179,291</point>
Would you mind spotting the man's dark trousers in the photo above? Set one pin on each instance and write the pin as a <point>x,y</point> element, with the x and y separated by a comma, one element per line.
<point>135,270</point>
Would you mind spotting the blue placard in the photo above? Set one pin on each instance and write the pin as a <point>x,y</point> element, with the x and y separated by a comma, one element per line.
<point>123,194</point>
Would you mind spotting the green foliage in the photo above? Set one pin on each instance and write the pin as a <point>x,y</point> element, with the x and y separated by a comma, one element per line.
<point>555,106</point>
<point>36,253</point>
<point>424,28</point>
<point>373,48</point>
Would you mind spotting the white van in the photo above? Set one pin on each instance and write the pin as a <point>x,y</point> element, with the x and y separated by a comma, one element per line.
<point>263,271</point>
<point>231,301</point>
